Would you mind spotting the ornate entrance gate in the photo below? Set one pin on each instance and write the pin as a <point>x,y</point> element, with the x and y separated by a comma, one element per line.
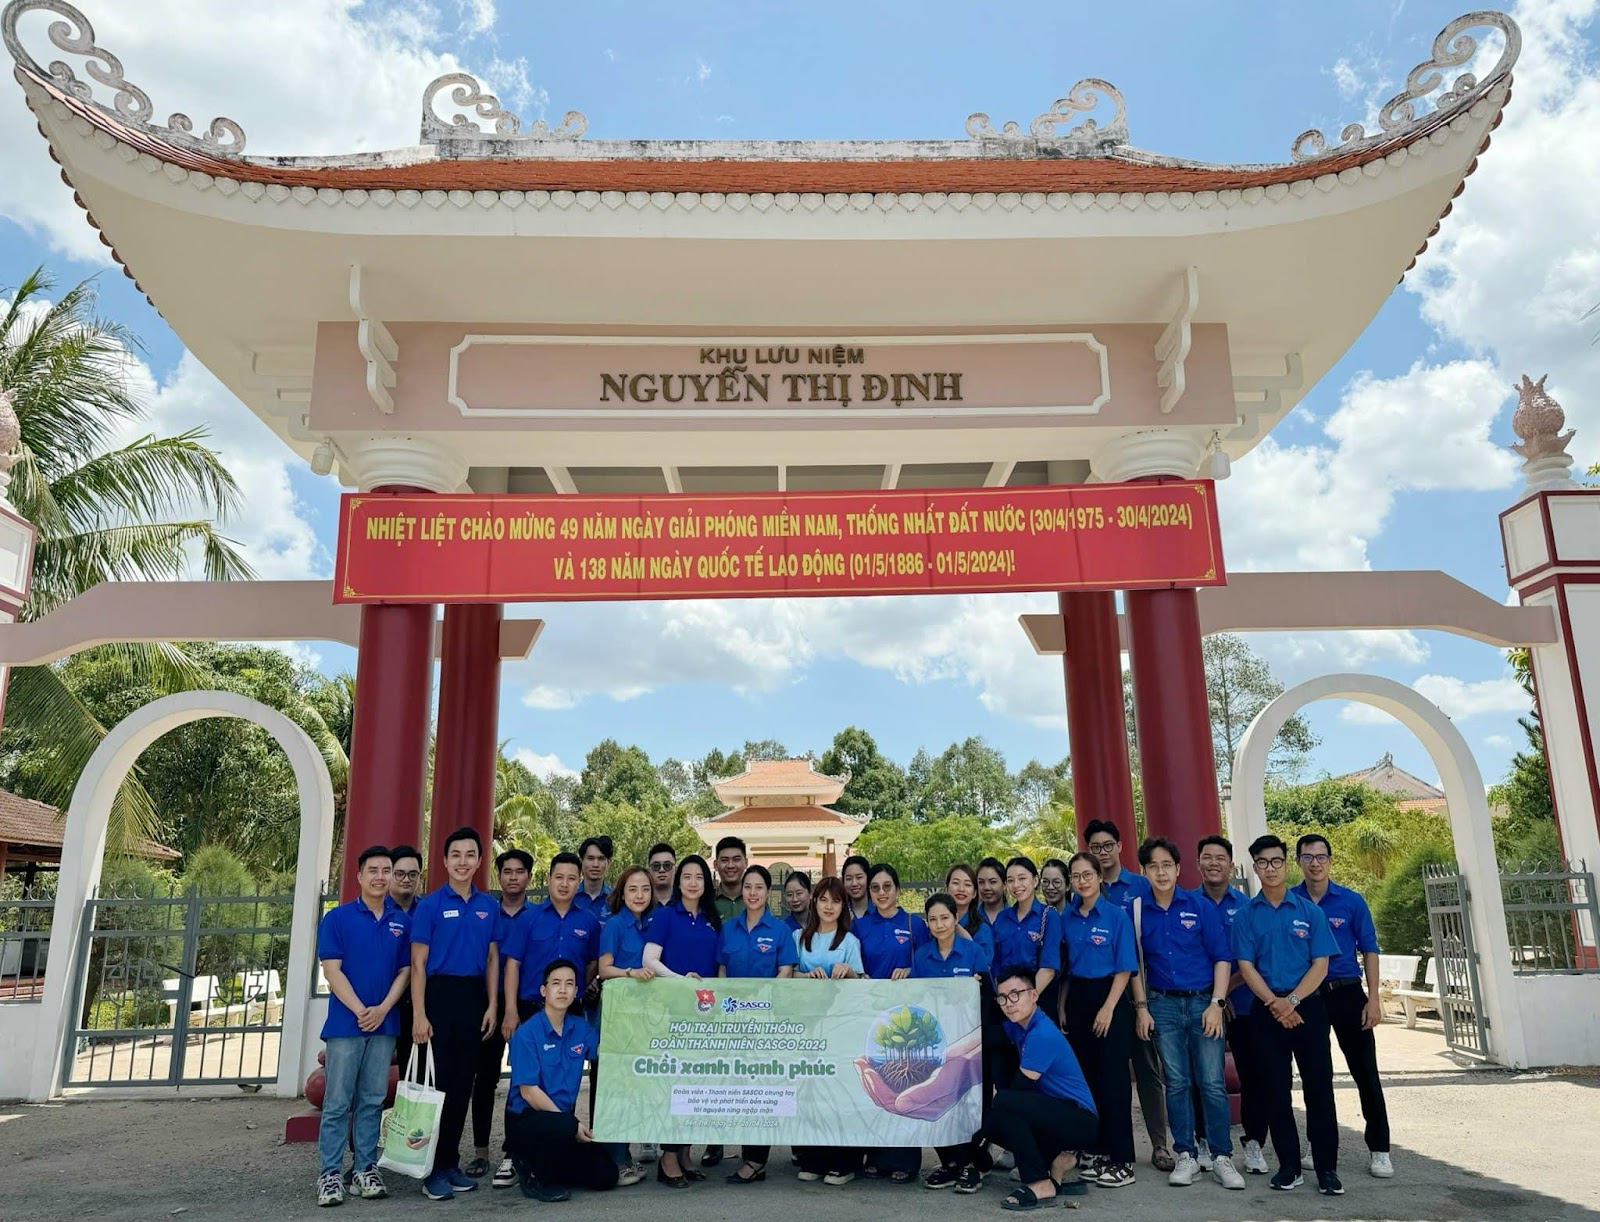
<point>1466,1029</point>
<point>179,990</point>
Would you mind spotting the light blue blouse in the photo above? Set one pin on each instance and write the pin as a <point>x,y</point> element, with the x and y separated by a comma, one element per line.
<point>824,954</point>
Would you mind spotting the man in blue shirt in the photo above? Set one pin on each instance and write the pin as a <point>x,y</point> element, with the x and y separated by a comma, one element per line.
<point>364,946</point>
<point>1187,962</point>
<point>550,1147</point>
<point>594,859</point>
<point>1215,860</point>
<point>404,883</point>
<point>1047,1112</point>
<point>455,994</point>
<point>1282,945</point>
<point>1353,1014</point>
<point>1103,839</point>
<point>514,870</point>
<point>555,929</point>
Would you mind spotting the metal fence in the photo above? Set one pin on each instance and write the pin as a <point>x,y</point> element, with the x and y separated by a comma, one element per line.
<point>25,917</point>
<point>1551,917</point>
<point>1460,1000</point>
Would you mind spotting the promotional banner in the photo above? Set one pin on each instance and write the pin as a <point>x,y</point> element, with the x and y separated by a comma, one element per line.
<point>790,1062</point>
<point>544,548</point>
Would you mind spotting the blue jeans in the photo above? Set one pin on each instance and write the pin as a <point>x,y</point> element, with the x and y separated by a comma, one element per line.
<point>1191,1058</point>
<point>357,1069</point>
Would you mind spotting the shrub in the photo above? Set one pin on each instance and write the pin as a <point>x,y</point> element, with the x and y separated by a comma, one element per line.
<point>1401,913</point>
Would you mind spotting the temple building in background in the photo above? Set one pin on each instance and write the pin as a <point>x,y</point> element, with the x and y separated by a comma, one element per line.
<point>779,808</point>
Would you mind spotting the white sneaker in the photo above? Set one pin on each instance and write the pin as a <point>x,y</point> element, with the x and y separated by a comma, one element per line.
<point>1255,1160</point>
<point>330,1190</point>
<point>1382,1165</point>
<point>1185,1171</point>
<point>505,1175</point>
<point>629,1174</point>
<point>1225,1172</point>
<point>649,1151</point>
<point>1204,1157</point>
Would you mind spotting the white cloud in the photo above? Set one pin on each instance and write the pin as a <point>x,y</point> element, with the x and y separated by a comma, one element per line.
<point>702,70</point>
<point>1354,713</point>
<point>1500,742</point>
<point>1295,656</point>
<point>304,653</point>
<point>543,766</point>
<point>478,16</point>
<point>1459,698</point>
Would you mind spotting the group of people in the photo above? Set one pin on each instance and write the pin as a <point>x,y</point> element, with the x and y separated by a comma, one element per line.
<point>1096,980</point>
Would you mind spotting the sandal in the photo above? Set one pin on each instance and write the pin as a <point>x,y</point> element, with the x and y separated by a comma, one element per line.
<point>901,1177</point>
<point>1023,1199</point>
<point>758,1173</point>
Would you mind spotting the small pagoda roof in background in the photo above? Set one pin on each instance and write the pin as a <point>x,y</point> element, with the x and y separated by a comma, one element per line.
<point>790,777</point>
<point>762,816</point>
<point>35,829</point>
<point>1389,778</point>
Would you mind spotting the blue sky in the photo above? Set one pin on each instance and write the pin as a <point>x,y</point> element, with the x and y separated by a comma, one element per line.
<point>1393,461</point>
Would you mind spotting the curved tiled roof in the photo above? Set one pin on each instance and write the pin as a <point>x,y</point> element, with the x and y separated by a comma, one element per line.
<point>757,815</point>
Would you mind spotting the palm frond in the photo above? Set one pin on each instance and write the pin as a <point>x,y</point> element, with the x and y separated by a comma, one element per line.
<point>144,480</point>
<point>65,566</point>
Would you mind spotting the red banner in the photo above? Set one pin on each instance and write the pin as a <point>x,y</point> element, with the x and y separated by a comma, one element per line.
<point>545,548</point>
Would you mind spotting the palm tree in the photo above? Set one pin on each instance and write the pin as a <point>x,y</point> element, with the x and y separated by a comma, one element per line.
<point>105,509</point>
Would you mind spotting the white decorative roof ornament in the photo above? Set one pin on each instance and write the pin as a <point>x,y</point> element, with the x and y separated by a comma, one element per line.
<point>130,105</point>
<point>1451,48</point>
<point>467,94</point>
<point>1086,138</point>
<point>1538,420</point>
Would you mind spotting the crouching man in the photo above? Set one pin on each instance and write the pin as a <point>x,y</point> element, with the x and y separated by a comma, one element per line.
<point>549,1147</point>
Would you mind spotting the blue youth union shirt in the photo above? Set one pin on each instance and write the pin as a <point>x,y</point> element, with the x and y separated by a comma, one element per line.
<point>371,951</point>
<point>506,927</point>
<point>551,1060</point>
<point>888,942</point>
<point>599,907</point>
<point>1098,941</point>
<point>1033,940</point>
<point>456,931</point>
<point>688,941</point>
<point>546,935</point>
<point>1228,907</point>
<point>1127,885</point>
<point>623,938</point>
<point>757,952</point>
<point>1045,1051</point>
<point>966,958</point>
<point>1183,942</point>
<point>1282,941</point>
<point>1350,921</point>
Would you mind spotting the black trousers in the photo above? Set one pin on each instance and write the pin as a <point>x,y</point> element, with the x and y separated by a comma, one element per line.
<point>1360,1048</point>
<point>455,1008</point>
<point>1307,1046</point>
<point>548,1143</point>
<point>486,1083</point>
<point>1104,1061</point>
<point>820,1160</point>
<point>1252,1106</point>
<point>1036,1127</point>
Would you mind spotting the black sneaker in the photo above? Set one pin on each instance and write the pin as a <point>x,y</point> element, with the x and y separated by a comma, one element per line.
<point>942,1177</point>
<point>1115,1175</point>
<point>970,1180</point>
<point>1287,1181</point>
<point>1328,1184</point>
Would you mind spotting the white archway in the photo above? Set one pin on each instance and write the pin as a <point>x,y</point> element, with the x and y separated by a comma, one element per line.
<point>84,846</point>
<point>1469,823</point>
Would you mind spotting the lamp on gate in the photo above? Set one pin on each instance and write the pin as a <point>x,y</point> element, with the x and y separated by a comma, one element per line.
<point>1219,466</point>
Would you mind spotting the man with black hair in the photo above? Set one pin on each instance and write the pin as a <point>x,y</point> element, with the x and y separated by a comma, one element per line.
<point>514,869</point>
<point>404,883</point>
<point>660,862</point>
<point>1215,861</point>
<point>731,860</point>
<point>364,946</point>
<point>1103,840</point>
<point>455,994</point>
<point>1282,944</point>
<point>550,1147</point>
<point>1047,1111</point>
<point>1353,1013</point>
<point>1187,964</point>
<point>594,860</point>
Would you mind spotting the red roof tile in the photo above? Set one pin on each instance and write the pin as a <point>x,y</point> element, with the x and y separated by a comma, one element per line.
<point>24,821</point>
<point>757,815</point>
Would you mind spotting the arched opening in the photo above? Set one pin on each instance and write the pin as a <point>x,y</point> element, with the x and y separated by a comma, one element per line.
<point>84,848</point>
<point>1468,808</point>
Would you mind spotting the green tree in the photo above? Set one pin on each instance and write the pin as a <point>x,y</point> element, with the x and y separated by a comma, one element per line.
<point>1326,804</point>
<point>613,773</point>
<point>922,852</point>
<point>1239,684</point>
<point>1401,913</point>
<point>715,766</point>
<point>764,749</point>
<point>1042,787</point>
<point>968,777</point>
<point>633,829</point>
<point>877,784</point>
<point>105,511</point>
<point>1525,791</point>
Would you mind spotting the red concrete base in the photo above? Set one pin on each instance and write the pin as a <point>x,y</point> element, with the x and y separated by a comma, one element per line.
<point>302,1128</point>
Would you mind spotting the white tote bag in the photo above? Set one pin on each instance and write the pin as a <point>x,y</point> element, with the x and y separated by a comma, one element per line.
<point>411,1126</point>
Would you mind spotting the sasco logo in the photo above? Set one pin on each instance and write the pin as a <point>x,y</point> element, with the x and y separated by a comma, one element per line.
<point>732,1005</point>
<point>705,1000</point>
<point>1302,930</point>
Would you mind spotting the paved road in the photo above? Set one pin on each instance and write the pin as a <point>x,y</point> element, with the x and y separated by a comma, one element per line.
<point>1515,1148</point>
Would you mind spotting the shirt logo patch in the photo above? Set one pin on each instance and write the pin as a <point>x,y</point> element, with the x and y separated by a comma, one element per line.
<point>902,936</point>
<point>549,1047</point>
<point>482,916</point>
<point>1336,922</point>
<point>1188,922</point>
<point>580,933</point>
<point>1301,929</point>
<point>448,913</point>
<point>578,1050</point>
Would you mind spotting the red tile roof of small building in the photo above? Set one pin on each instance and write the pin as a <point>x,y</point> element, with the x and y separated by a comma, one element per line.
<point>756,815</point>
<point>25,821</point>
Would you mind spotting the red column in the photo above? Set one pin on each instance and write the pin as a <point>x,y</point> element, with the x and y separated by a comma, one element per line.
<point>1102,782</point>
<point>1173,723</point>
<point>389,741</point>
<point>465,743</point>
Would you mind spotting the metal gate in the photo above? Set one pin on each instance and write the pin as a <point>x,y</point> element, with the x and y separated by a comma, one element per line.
<point>1466,1030</point>
<point>179,989</point>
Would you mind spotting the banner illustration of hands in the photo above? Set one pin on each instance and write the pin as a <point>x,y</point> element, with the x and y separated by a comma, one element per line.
<point>933,1097</point>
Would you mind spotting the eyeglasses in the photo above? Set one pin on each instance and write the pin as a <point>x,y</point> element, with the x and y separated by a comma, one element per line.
<point>1084,876</point>
<point>1011,998</point>
<point>1316,859</point>
<point>1271,863</point>
<point>661,867</point>
<point>406,875</point>
<point>1109,846</point>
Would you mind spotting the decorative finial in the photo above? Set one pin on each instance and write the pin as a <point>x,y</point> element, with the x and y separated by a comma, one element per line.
<point>1084,138</point>
<point>10,438</point>
<point>459,130</point>
<point>1538,420</point>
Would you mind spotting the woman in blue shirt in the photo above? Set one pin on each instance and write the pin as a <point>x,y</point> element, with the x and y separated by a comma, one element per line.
<point>797,899</point>
<point>946,955</point>
<point>683,942</point>
<point>999,1054</point>
<point>889,937</point>
<point>1097,1014</point>
<point>1028,934</point>
<point>632,904</point>
<point>827,950</point>
<point>755,944</point>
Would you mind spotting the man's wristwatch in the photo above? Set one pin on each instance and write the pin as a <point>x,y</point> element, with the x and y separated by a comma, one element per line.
<point>1219,1002</point>
<point>1293,1001</point>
